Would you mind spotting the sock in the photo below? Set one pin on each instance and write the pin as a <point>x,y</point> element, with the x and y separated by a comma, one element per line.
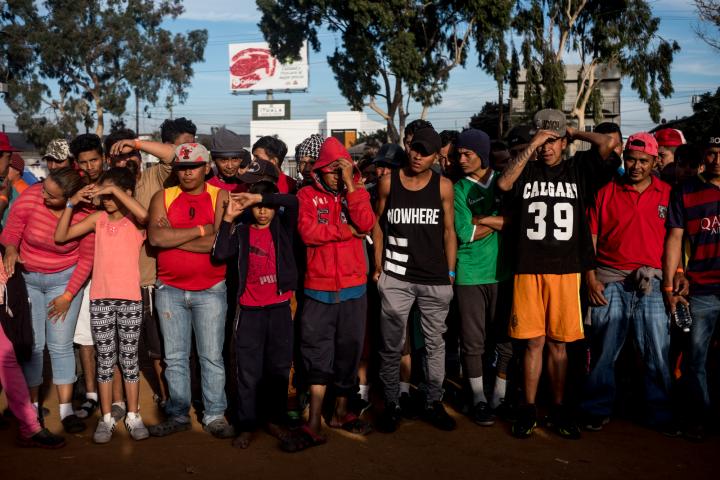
<point>107,418</point>
<point>476,385</point>
<point>132,415</point>
<point>36,406</point>
<point>499,392</point>
<point>66,410</point>
<point>364,392</point>
<point>120,404</point>
<point>92,396</point>
<point>404,388</point>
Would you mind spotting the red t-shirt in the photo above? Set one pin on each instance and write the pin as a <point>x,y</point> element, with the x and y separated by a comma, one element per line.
<point>286,184</point>
<point>261,281</point>
<point>230,187</point>
<point>179,268</point>
<point>630,226</point>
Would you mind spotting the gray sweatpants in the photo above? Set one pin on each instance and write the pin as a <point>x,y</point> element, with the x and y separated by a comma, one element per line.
<point>484,316</point>
<point>397,297</point>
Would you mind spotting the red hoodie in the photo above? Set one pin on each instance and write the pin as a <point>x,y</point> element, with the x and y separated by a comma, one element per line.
<point>335,258</point>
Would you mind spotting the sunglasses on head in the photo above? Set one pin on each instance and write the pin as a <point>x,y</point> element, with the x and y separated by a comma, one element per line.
<point>126,156</point>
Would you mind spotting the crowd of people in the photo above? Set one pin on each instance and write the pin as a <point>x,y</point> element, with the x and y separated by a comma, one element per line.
<point>510,272</point>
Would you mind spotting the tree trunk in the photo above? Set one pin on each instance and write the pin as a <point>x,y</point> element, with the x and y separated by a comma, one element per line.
<point>424,113</point>
<point>137,113</point>
<point>100,127</point>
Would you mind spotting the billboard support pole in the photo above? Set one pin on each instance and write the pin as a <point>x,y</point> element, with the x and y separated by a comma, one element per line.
<point>268,95</point>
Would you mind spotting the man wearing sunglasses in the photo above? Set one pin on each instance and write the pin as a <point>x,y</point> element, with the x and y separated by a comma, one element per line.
<point>553,248</point>
<point>628,227</point>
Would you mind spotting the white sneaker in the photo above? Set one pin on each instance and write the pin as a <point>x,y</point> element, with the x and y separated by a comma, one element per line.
<point>103,432</point>
<point>135,426</point>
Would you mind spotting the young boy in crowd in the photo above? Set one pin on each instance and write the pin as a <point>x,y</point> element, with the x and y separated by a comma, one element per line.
<point>335,214</point>
<point>262,242</point>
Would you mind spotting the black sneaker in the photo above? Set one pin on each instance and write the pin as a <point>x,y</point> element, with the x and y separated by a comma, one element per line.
<point>506,412</point>
<point>409,406</point>
<point>562,423</point>
<point>168,427</point>
<point>43,439</point>
<point>389,420</point>
<point>595,423</point>
<point>695,433</point>
<point>525,423</point>
<point>73,424</point>
<point>482,414</point>
<point>436,415</point>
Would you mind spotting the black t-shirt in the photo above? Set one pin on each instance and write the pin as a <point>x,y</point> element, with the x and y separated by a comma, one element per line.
<point>552,231</point>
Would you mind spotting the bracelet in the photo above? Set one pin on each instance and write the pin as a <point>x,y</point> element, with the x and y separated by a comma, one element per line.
<point>5,198</point>
<point>452,273</point>
<point>136,144</point>
<point>67,296</point>
<point>202,230</point>
<point>667,289</point>
<point>679,270</point>
<point>69,204</point>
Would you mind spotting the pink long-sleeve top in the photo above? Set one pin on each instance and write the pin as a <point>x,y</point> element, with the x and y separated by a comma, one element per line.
<point>31,229</point>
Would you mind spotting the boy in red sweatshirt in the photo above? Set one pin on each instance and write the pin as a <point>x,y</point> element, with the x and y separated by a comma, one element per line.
<point>334,215</point>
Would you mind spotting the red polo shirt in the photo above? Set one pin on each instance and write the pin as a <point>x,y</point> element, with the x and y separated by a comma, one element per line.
<point>630,226</point>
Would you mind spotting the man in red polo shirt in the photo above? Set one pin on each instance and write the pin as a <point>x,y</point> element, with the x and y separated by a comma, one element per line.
<point>628,228</point>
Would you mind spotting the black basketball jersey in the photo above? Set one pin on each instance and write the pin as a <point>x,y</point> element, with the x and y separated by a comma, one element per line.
<point>551,227</point>
<point>413,221</point>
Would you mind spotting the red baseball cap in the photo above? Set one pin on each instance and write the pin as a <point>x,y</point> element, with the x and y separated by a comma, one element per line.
<point>669,137</point>
<point>5,144</point>
<point>642,142</point>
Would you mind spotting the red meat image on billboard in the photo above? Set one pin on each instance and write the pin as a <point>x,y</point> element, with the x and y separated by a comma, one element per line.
<point>250,66</point>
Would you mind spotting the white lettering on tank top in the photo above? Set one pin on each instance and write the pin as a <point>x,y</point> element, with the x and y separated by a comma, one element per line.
<point>414,216</point>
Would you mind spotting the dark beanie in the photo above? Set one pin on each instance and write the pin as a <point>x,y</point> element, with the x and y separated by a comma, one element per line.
<point>477,141</point>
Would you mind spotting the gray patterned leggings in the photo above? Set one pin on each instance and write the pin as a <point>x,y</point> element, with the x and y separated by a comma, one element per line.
<point>116,321</point>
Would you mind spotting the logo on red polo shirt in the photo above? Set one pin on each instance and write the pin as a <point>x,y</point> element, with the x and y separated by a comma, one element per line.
<point>662,211</point>
<point>711,224</point>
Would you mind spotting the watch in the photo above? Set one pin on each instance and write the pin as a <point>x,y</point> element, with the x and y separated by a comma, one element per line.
<point>69,204</point>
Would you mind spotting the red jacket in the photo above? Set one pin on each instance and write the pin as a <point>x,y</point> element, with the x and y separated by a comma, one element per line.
<point>335,258</point>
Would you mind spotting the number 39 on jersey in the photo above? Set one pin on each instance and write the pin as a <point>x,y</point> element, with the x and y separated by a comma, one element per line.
<point>551,221</point>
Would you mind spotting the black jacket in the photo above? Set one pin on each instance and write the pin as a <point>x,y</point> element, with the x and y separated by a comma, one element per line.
<point>236,241</point>
<point>15,316</point>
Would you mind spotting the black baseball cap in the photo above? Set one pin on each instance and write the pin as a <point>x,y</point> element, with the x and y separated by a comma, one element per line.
<point>426,140</point>
<point>519,135</point>
<point>259,170</point>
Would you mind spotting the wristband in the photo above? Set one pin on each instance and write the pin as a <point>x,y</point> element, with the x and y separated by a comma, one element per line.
<point>452,273</point>
<point>679,270</point>
<point>67,296</point>
<point>69,204</point>
<point>202,230</point>
<point>136,144</point>
<point>667,289</point>
<point>5,198</point>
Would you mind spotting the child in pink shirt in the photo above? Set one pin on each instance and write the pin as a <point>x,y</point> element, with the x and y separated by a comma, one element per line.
<point>115,300</point>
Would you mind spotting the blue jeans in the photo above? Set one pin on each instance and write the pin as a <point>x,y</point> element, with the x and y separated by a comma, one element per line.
<point>650,324</point>
<point>705,311</point>
<point>42,289</point>
<point>182,312</point>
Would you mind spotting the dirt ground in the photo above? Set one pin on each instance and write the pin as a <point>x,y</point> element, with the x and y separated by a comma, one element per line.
<point>416,450</point>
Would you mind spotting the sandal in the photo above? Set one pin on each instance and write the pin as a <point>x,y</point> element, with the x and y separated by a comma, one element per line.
<point>352,423</point>
<point>73,424</point>
<point>302,439</point>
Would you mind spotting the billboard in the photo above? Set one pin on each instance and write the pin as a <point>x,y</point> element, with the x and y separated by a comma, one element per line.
<point>253,68</point>
<point>271,110</point>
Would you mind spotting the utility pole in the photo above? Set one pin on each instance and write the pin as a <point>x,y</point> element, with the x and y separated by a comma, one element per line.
<point>137,113</point>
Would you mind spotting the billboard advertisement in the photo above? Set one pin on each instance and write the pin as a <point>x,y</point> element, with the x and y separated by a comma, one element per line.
<point>253,68</point>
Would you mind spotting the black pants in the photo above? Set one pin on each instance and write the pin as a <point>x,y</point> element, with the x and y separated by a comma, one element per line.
<point>263,352</point>
<point>332,342</point>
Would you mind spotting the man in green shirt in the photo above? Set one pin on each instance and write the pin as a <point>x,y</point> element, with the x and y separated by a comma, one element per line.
<point>483,293</point>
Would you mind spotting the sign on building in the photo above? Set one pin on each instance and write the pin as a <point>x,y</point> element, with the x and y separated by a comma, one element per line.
<point>271,110</point>
<point>253,68</point>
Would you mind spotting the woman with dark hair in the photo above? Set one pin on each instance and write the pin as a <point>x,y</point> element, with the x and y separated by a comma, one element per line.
<point>54,275</point>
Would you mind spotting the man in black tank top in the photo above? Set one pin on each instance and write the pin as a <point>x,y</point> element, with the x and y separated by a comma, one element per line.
<point>415,261</point>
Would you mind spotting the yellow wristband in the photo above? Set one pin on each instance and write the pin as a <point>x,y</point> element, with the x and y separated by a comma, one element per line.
<point>67,296</point>
<point>202,230</point>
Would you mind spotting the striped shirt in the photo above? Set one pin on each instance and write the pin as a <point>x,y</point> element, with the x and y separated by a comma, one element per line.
<point>695,207</point>
<point>31,229</point>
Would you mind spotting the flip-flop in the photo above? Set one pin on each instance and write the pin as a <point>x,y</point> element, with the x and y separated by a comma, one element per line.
<point>302,439</point>
<point>353,424</point>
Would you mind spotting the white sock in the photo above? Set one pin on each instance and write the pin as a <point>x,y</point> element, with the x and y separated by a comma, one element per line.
<point>107,418</point>
<point>476,385</point>
<point>498,392</point>
<point>92,396</point>
<point>364,392</point>
<point>120,404</point>
<point>404,388</point>
<point>36,406</point>
<point>66,410</point>
<point>132,415</point>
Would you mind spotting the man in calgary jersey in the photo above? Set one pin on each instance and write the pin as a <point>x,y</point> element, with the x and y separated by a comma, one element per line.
<point>553,248</point>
